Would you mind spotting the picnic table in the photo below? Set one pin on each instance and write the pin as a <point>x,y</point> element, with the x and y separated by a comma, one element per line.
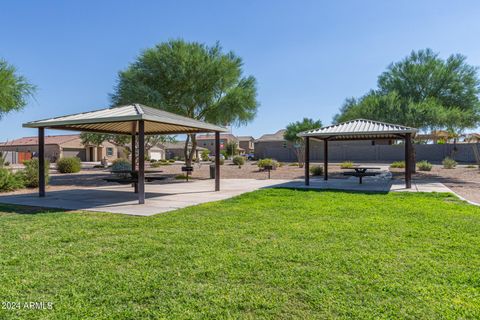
<point>361,171</point>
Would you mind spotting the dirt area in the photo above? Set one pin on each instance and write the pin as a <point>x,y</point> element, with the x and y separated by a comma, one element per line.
<point>463,180</point>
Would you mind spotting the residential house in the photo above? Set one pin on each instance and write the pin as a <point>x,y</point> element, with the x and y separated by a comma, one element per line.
<point>60,146</point>
<point>175,150</point>
<point>274,145</point>
<point>247,143</point>
<point>208,141</point>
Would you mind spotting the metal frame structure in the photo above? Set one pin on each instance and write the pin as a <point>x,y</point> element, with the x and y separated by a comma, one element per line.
<point>360,129</point>
<point>135,120</point>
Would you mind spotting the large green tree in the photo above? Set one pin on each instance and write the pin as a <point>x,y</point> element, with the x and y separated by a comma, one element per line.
<point>14,89</point>
<point>193,80</point>
<point>291,134</point>
<point>423,91</point>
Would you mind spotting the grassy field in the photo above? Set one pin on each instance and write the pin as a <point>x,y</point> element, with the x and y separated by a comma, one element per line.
<point>271,254</point>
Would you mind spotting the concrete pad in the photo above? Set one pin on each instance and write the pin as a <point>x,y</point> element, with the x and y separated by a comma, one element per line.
<point>158,198</point>
<point>379,183</point>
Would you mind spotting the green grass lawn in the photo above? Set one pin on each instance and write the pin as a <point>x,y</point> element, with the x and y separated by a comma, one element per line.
<point>268,254</point>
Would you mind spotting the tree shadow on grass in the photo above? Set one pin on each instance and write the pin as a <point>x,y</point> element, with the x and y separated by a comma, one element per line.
<point>19,209</point>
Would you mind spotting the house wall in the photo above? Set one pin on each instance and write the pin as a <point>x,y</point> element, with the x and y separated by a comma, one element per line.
<point>248,146</point>
<point>10,156</point>
<point>178,154</point>
<point>210,144</point>
<point>52,152</point>
<point>364,151</point>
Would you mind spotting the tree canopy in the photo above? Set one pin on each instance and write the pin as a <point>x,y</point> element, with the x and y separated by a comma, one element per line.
<point>14,89</point>
<point>422,91</point>
<point>293,129</point>
<point>193,80</point>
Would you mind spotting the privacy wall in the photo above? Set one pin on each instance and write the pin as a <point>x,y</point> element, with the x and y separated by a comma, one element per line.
<point>365,151</point>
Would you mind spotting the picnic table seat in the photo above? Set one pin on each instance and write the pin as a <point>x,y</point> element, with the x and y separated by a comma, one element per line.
<point>360,175</point>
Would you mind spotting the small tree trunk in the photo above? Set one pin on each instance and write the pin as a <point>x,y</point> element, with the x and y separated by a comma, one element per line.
<point>185,150</point>
<point>193,136</point>
<point>300,156</point>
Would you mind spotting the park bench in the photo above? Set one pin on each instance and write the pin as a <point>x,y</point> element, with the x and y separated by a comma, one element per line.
<point>132,177</point>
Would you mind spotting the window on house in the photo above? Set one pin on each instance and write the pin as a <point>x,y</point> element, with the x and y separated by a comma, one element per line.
<point>109,152</point>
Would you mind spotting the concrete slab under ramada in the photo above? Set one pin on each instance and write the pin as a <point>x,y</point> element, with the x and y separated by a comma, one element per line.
<point>159,198</point>
<point>370,184</point>
<point>162,198</point>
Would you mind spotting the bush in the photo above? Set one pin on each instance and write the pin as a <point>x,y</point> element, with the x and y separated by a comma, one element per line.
<point>449,163</point>
<point>153,160</point>
<point>6,164</point>
<point>424,165</point>
<point>347,165</point>
<point>10,181</point>
<point>171,160</point>
<point>398,164</point>
<point>121,164</point>
<point>268,162</point>
<point>316,170</point>
<point>69,165</point>
<point>30,173</point>
<point>205,155</point>
<point>160,163</point>
<point>239,161</point>
<point>293,164</point>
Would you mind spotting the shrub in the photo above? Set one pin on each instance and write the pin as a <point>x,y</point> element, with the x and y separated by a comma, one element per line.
<point>449,163</point>
<point>69,165</point>
<point>121,164</point>
<point>239,161</point>
<point>205,155</point>
<point>470,166</point>
<point>347,165</point>
<point>30,173</point>
<point>6,164</point>
<point>10,181</point>
<point>316,170</point>
<point>171,160</point>
<point>153,160</point>
<point>160,163</point>
<point>398,164</point>
<point>293,164</point>
<point>267,162</point>
<point>424,165</point>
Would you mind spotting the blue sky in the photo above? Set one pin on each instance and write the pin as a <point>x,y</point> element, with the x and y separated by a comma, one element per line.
<point>307,56</point>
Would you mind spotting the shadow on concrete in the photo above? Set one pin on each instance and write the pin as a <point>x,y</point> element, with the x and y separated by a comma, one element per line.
<point>78,199</point>
<point>369,186</point>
